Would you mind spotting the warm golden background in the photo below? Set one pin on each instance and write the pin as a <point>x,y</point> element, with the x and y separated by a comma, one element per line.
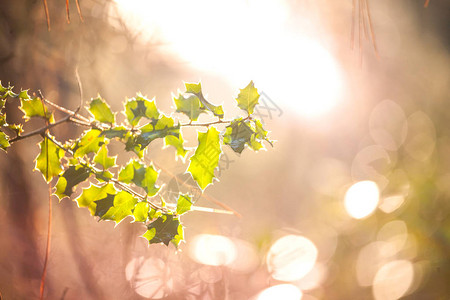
<point>352,202</point>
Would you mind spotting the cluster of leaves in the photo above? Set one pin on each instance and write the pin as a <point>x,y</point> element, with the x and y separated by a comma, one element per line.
<point>116,192</point>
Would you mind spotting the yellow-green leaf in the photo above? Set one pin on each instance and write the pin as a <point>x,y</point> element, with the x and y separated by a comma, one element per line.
<point>140,212</point>
<point>90,142</point>
<point>248,98</point>
<point>184,204</point>
<point>101,110</point>
<point>103,159</point>
<point>205,158</point>
<point>35,108</point>
<point>94,193</point>
<point>48,161</point>
<point>4,141</point>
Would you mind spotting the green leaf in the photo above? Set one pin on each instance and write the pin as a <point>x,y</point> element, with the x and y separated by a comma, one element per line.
<point>116,132</point>
<point>206,157</point>
<point>90,142</point>
<point>141,175</point>
<point>24,95</point>
<point>238,134</point>
<point>184,204</point>
<point>196,89</point>
<point>177,143</point>
<point>188,104</point>
<point>248,98</point>
<point>244,132</point>
<point>139,107</point>
<point>101,110</point>
<point>103,159</point>
<point>35,108</point>
<point>94,193</point>
<point>72,176</point>
<point>122,207</point>
<point>4,141</point>
<point>103,205</point>
<point>164,127</point>
<point>48,161</point>
<point>140,212</point>
<point>163,230</point>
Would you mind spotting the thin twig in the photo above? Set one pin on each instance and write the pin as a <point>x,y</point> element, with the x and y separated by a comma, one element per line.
<point>47,16</point>
<point>67,111</point>
<point>40,130</point>
<point>67,12</point>
<point>79,10</point>
<point>80,88</point>
<point>372,33</point>
<point>49,226</point>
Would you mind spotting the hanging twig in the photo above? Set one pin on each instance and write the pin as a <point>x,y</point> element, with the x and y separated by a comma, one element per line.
<point>47,16</point>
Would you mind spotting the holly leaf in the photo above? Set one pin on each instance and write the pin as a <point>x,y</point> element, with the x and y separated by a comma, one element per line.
<point>184,204</point>
<point>35,108</point>
<point>122,205</point>
<point>116,132</point>
<point>93,193</point>
<point>188,104</point>
<point>238,134</point>
<point>163,230</point>
<point>101,110</point>
<point>24,95</point>
<point>164,127</point>
<point>4,141</point>
<point>196,89</point>
<point>248,98</point>
<point>205,158</point>
<point>72,176</point>
<point>90,142</point>
<point>103,205</point>
<point>48,161</point>
<point>141,175</point>
<point>139,107</point>
<point>176,142</point>
<point>103,159</point>
<point>140,212</point>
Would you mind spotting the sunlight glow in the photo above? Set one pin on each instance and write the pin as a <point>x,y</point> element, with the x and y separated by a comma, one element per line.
<point>243,41</point>
<point>281,291</point>
<point>393,280</point>
<point>362,199</point>
<point>212,250</point>
<point>291,257</point>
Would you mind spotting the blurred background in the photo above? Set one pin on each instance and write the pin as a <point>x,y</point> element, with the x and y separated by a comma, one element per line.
<point>352,202</point>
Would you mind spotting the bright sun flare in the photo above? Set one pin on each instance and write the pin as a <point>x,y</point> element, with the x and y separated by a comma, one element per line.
<point>243,41</point>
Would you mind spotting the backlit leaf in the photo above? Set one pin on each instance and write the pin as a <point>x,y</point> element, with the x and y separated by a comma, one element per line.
<point>94,193</point>
<point>196,89</point>
<point>248,98</point>
<point>189,104</point>
<point>122,207</point>
<point>177,143</point>
<point>140,212</point>
<point>35,108</point>
<point>238,134</point>
<point>184,204</point>
<point>163,230</point>
<point>4,141</point>
<point>72,176</point>
<point>139,107</point>
<point>48,161</point>
<point>101,110</point>
<point>206,157</point>
<point>141,175</point>
<point>90,142</point>
<point>103,159</point>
